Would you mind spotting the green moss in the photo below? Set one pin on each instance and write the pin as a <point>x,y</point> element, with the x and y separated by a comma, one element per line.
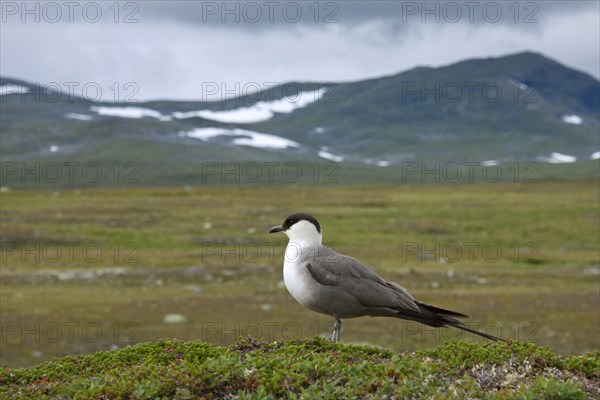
<point>551,389</point>
<point>253,369</point>
<point>589,364</point>
<point>466,355</point>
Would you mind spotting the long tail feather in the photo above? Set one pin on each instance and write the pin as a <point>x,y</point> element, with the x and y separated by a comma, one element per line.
<point>460,325</point>
<point>440,317</point>
<point>441,311</point>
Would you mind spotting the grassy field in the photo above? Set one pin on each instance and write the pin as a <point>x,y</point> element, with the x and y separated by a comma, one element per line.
<point>97,269</point>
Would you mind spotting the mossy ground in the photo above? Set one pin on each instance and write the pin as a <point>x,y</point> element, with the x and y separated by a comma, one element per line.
<point>254,369</point>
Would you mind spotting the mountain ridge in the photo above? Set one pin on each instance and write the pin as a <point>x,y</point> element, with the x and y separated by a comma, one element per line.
<point>522,107</point>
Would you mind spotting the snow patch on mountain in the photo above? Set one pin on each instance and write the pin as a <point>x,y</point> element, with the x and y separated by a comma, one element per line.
<point>130,112</point>
<point>490,163</point>
<point>380,163</point>
<point>258,112</point>
<point>324,153</point>
<point>558,158</point>
<point>242,137</point>
<point>572,119</point>
<point>242,115</point>
<point>79,117</point>
<point>517,84</point>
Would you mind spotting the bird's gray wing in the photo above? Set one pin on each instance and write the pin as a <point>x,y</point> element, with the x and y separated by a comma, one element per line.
<point>350,275</point>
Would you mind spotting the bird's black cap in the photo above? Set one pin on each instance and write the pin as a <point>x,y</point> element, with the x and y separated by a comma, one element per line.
<point>292,219</point>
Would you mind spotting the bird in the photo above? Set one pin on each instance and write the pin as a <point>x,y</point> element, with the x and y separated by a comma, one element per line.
<point>340,286</point>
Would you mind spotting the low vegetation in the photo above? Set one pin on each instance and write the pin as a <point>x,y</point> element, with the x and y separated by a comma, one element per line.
<point>253,369</point>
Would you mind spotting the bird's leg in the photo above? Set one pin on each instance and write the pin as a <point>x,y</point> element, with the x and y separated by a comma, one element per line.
<point>332,336</point>
<point>337,330</point>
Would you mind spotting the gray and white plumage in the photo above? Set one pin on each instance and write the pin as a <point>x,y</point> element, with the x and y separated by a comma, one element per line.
<point>342,287</point>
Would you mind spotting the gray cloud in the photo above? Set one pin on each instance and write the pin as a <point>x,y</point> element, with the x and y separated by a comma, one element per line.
<point>168,51</point>
<point>261,14</point>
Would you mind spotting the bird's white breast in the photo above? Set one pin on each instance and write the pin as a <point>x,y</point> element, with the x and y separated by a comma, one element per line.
<point>296,277</point>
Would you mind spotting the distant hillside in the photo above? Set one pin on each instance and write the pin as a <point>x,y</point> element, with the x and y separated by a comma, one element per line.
<point>519,108</point>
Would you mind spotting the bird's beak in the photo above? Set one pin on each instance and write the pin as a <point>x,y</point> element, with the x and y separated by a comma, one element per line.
<point>276,229</point>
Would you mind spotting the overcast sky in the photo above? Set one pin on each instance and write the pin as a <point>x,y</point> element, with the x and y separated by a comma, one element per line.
<point>158,50</point>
